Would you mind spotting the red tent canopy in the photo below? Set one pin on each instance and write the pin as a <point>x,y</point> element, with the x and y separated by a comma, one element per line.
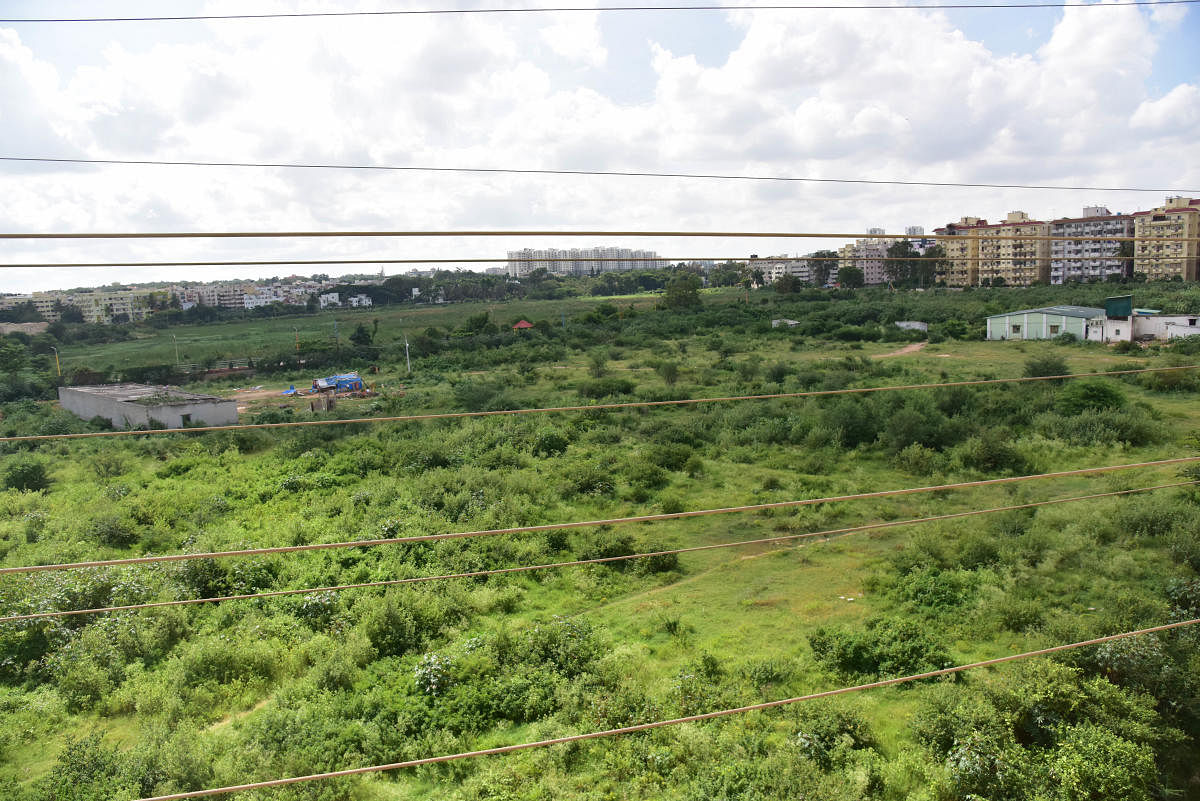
<point>523,324</point>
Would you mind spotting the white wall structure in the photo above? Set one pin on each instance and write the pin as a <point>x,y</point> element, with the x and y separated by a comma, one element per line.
<point>133,405</point>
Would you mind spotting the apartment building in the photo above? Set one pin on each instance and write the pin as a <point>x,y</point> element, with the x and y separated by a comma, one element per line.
<point>1007,258</point>
<point>867,255</point>
<point>1076,260</point>
<point>46,303</point>
<point>775,267</point>
<point>582,261</point>
<point>961,245</point>
<point>1165,245</point>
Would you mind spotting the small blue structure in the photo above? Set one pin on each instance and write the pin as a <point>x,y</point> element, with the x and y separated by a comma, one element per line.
<point>350,382</point>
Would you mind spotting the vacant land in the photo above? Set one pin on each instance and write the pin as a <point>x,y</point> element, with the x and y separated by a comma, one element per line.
<point>131,704</point>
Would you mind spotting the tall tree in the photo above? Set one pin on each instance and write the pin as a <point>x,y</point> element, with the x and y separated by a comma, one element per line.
<point>850,278</point>
<point>824,263</point>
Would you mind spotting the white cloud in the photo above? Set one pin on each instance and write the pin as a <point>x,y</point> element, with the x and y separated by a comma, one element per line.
<point>823,94</point>
<point>1177,112</point>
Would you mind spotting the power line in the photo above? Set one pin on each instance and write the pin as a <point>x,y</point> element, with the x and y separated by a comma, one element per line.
<point>824,535</point>
<point>506,749</point>
<point>600,173</point>
<point>553,260</point>
<point>965,236</point>
<point>562,9</point>
<point>588,408</point>
<point>325,546</point>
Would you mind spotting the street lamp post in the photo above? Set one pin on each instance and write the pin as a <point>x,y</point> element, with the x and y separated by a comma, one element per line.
<point>176,341</point>
<point>57,365</point>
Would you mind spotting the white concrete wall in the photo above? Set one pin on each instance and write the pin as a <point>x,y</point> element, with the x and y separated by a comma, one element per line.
<point>124,414</point>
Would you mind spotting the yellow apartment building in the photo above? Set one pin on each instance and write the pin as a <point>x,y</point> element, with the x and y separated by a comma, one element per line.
<point>1003,254</point>
<point>962,252</point>
<point>1166,243</point>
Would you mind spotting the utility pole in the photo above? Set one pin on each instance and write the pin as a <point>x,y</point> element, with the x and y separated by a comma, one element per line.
<point>176,341</point>
<point>57,366</point>
<point>337,342</point>
<point>407,360</point>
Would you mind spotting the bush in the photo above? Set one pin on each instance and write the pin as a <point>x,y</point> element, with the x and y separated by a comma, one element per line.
<point>990,453</point>
<point>26,475</point>
<point>606,387</point>
<point>1082,395</point>
<point>884,647</point>
<point>1046,365</point>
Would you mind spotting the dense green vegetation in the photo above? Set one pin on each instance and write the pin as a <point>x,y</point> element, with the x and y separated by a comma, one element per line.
<point>181,698</point>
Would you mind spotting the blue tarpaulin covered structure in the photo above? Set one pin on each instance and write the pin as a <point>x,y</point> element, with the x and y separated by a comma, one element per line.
<point>350,382</point>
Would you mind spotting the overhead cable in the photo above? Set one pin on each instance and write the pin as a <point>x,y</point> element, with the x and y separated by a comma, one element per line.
<point>600,173</point>
<point>565,9</point>
<point>822,535</point>
<point>442,234</point>
<point>506,749</point>
<point>367,543</point>
<point>816,393</point>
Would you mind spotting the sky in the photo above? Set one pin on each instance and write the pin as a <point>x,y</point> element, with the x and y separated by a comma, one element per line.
<point>1101,96</point>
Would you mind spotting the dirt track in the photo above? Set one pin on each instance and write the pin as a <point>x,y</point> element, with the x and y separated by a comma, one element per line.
<point>913,348</point>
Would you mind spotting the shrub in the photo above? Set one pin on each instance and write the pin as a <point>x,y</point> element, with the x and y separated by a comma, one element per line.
<point>884,647</point>
<point>1081,395</point>
<point>586,478</point>
<point>606,387</point>
<point>1046,365</point>
<point>26,475</point>
<point>550,443</point>
<point>990,453</point>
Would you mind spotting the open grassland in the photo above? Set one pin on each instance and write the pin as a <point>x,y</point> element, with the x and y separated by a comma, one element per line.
<point>126,705</point>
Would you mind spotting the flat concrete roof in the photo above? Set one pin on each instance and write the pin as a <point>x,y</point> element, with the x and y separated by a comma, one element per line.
<point>146,395</point>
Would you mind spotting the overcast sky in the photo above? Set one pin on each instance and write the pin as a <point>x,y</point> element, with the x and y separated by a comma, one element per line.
<point>1098,96</point>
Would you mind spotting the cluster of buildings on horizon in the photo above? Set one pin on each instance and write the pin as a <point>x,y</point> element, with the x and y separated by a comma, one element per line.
<point>130,305</point>
<point>579,261</point>
<point>1162,244</point>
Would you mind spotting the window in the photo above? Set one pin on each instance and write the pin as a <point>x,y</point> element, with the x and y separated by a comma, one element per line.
<point>1016,329</point>
<point>1054,329</point>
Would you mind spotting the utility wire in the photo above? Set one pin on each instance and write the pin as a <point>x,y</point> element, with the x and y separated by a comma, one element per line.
<point>562,9</point>
<point>589,408</point>
<point>561,259</point>
<point>366,543</point>
<point>602,173</point>
<point>966,235</point>
<point>823,535</point>
<point>505,749</point>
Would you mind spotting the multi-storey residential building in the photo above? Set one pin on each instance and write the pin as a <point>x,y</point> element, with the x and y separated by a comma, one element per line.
<point>1088,259</point>
<point>961,244</point>
<point>775,267</point>
<point>582,261</point>
<point>46,303</point>
<point>1006,256</point>
<point>1165,245</point>
<point>109,307</point>
<point>867,255</point>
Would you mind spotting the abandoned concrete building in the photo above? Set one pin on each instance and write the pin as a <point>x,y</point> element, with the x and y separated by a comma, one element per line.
<point>135,405</point>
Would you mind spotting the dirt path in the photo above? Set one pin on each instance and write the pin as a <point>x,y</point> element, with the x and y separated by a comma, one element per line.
<point>913,348</point>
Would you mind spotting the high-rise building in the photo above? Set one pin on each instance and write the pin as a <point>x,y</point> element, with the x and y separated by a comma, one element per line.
<point>1084,260</point>
<point>582,261</point>
<point>961,246</point>
<point>1008,258</point>
<point>1165,245</point>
